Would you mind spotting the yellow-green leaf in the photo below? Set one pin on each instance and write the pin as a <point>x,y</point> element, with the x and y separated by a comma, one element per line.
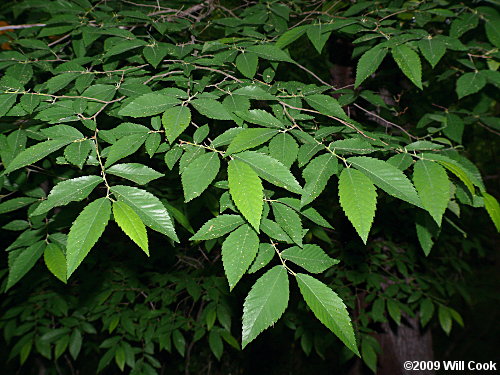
<point>131,224</point>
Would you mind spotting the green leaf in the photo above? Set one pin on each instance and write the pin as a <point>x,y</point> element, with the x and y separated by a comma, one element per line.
<point>369,354</point>
<point>264,256</point>
<point>217,227</point>
<point>444,317</point>
<point>62,131</point>
<point>463,169</point>
<point>284,148</point>
<point>493,31</point>
<point>328,308</point>
<point>387,177</point>
<point>427,231</point>
<point>369,63</point>
<point>149,208</point>
<point>432,49</point>
<point>351,146</point>
<point>465,22</point>
<point>289,220</point>
<point>131,224</point>
<point>265,303</point>
<point>246,190</point>
<point>260,117</point>
<point>75,343</point>
<point>318,35</point>
<point>73,190</point>
<point>274,231</point>
<point>454,127</point>
<point>15,204</point>
<point>22,260</point>
<point>199,174</point>
<point>317,173</point>
<point>290,36</point>
<point>409,63</point>
<point>138,173</point>
<point>35,153</point>
<point>247,63</point>
<point>238,252</point>
<point>270,52</point>
<point>124,147</point>
<point>250,138</point>
<point>308,212</point>
<point>215,343</point>
<point>326,105</point>
<point>426,311</point>
<point>394,311</point>
<point>55,260</point>
<point>311,257</point>
<point>60,81</point>
<point>77,152</point>
<point>433,187</point>
<point>124,46</point>
<point>270,170</point>
<point>148,105</point>
<point>155,54</point>
<point>470,83</point>
<point>85,231</point>
<point>358,198</point>
<point>211,108</point>
<point>152,143</point>
<point>176,120</point>
<point>6,103</point>
<point>493,208</point>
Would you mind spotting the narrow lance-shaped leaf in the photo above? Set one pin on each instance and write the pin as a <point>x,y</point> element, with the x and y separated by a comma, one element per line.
<point>246,190</point>
<point>369,63</point>
<point>311,257</point>
<point>85,231</point>
<point>270,170</point>
<point>409,63</point>
<point>199,174</point>
<point>238,252</point>
<point>73,190</point>
<point>328,308</point>
<point>264,256</point>
<point>326,105</point>
<point>289,220</point>
<point>124,147</point>
<point>250,138</point>
<point>217,227</point>
<point>317,174</point>
<point>22,260</point>
<point>493,208</point>
<point>358,198</point>
<point>211,108</point>
<point>138,173</point>
<point>131,224</point>
<point>149,208</point>
<point>148,105</point>
<point>284,148</point>
<point>55,260</point>
<point>387,177</point>
<point>35,153</point>
<point>433,187</point>
<point>265,303</point>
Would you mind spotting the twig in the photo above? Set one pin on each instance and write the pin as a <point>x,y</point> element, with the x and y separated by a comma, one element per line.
<point>17,27</point>
<point>386,121</point>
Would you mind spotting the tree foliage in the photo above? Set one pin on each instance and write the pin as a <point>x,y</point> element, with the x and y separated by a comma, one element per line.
<point>212,126</point>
